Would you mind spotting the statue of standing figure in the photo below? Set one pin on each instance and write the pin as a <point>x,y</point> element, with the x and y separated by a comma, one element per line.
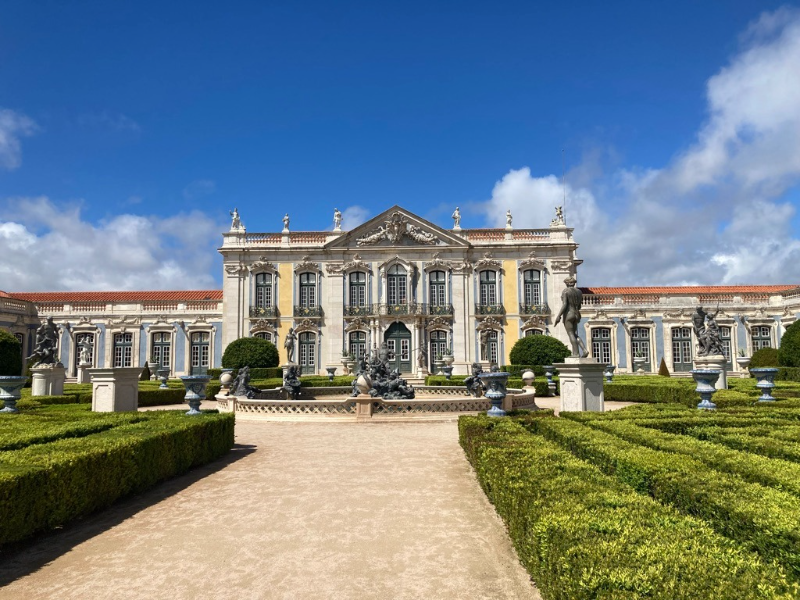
<point>289,344</point>
<point>236,222</point>
<point>337,220</point>
<point>508,218</point>
<point>85,353</point>
<point>286,222</point>
<point>572,300</point>
<point>456,218</point>
<point>707,332</point>
<point>46,344</point>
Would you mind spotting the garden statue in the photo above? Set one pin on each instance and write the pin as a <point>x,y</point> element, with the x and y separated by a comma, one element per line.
<point>84,358</point>
<point>484,341</point>
<point>46,344</point>
<point>707,333</point>
<point>291,382</point>
<point>456,218</point>
<point>385,382</point>
<point>422,358</point>
<point>240,386</point>
<point>288,343</point>
<point>572,299</point>
<point>337,220</point>
<point>473,382</point>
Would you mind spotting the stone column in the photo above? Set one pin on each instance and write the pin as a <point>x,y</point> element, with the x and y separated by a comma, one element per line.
<point>115,390</point>
<point>333,307</point>
<point>462,340</point>
<point>581,382</point>
<point>48,380</point>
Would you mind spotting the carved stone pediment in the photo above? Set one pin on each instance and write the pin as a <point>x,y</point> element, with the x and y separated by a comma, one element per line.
<point>306,325</point>
<point>438,264</point>
<point>356,265</point>
<point>306,264</point>
<point>263,265</point>
<point>464,267</point>
<point>532,262</point>
<point>563,266</point>
<point>674,314</point>
<point>235,270</point>
<point>262,325</point>
<point>534,322</point>
<point>489,323</point>
<point>437,323</point>
<point>395,230</point>
<point>487,262</point>
<point>357,324</point>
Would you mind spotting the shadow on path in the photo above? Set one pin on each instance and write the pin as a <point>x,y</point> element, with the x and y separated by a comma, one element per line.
<point>25,557</point>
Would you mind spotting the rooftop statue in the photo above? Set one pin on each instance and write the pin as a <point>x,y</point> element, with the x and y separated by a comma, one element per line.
<point>236,222</point>
<point>286,222</point>
<point>508,218</point>
<point>337,220</point>
<point>572,300</point>
<point>456,218</point>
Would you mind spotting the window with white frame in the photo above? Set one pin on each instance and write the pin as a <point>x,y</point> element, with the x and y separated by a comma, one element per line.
<point>358,289</point>
<point>491,350</point>
<point>200,352</point>
<point>308,290</point>
<point>488,288</point>
<point>531,286</point>
<point>264,335</point>
<point>264,290</point>
<point>682,349</point>
<point>640,348</point>
<point>123,350</point>
<point>725,338</point>
<point>161,349</point>
<point>438,345</point>
<point>438,288</point>
<point>601,345</point>
<point>308,353</point>
<point>762,337</point>
<point>530,332</point>
<point>396,285</point>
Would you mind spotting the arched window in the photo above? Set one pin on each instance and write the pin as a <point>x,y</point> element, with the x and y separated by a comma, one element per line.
<point>264,290</point>
<point>640,348</point>
<point>308,353</point>
<point>601,345</point>
<point>681,349</point>
<point>530,332</point>
<point>358,289</point>
<point>201,350</point>
<point>123,350</point>
<point>439,346</point>
<point>725,338</point>
<point>396,285</point>
<point>308,290</point>
<point>264,335</point>
<point>162,346</point>
<point>531,288</point>
<point>489,346</point>
<point>358,343</point>
<point>488,288</point>
<point>438,289</point>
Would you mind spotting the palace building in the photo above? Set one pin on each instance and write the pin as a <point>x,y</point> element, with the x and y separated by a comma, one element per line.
<point>425,290</point>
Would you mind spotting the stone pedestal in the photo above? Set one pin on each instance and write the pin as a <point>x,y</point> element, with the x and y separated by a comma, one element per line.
<point>364,407</point>
<point>581,382</point>
<point>115,390</point>
<point>48,380</point>
<point>83,374</point>
<point>714,362</point>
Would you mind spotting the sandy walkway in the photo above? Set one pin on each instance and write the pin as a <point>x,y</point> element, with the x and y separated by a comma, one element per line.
<point>298,510</point>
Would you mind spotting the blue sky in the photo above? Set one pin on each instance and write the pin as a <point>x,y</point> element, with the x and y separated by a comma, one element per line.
<point>152,120</point>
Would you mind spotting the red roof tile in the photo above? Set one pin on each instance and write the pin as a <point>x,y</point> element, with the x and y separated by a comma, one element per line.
<point>118,296</point>
<point>691,290</point>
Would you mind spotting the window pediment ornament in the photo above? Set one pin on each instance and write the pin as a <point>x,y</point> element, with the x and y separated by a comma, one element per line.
<point>438,264</point>
<point>394,230</point>
<point>357,264</point>
<point>357,324</point>
<point>488,262</point>
<point>464,267</point>
<point>263,265</point>
<point>532,262</point>
<point>306,264</point>
<point>306,325</point>
<point>160,324</point>
<point>490,323</point>
<point>675,314</point>
<point>437,323</point>
<point>262,325</point>
<point>563,266</point>
<point>535,322</point>
<point>235,270</point>
<point>123,320</point>
<point>396,260</point>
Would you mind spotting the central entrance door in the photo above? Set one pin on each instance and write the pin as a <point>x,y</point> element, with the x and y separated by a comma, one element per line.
<point>398,339</point>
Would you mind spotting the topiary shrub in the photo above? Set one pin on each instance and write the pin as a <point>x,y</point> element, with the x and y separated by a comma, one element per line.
<point>10,354</point>
<point>789,352</point>
<point>538,350</point>
<point>145,374</point>
<point>765,357</point>
<point>662,369</point>
<point>250,352</point>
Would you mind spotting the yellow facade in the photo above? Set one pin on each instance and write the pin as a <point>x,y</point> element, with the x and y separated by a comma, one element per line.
<point>285,307</point>
<point>510,300</point>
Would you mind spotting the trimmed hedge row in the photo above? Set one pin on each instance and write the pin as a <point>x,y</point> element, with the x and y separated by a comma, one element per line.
<point>259,373</point>
<point>46,485</point>
<point>513,382</point>
<point>762,518</point>
<point>669,392</point>
<point>582,534</point>
<point>16,433</point>
<point>764,445</point>
<point>779,474</point>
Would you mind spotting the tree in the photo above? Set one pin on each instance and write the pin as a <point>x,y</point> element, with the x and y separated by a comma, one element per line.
<point>252,352</point>
<point>538,350</point>
<point>789,352</point>
<point>10,354</point>
<point>662,369</point>
<point>765,357</point>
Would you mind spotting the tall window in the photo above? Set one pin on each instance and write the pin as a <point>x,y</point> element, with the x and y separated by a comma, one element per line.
<point>123,350</point>
<point>725,338</point>
<point>358,343</point>
<point>681,349</point>
<point>308,289</point>
<point>761,337</point>
<point>201,351</point>
<point>438,344</point>
<point>162,346</point>
<point>532,287</point>
<point>308,353</point>
<point>601,345</point>
<point>438,295</point>
<point>396,284</point>
<point>640,347</point>
<point>358,289</point>
<point>529,332</point>
<point>490,350</point>
<point>264,335</point>
<point>488,285</point>
<point>264,290</point>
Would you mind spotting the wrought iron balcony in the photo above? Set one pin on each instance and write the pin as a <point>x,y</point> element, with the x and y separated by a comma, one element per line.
<point>366,310</point>
<point>440,309</point>
<point>490,309</point>
<point>534,309</point>
<point>308,311</point>
<point>265,312</point>
<point>401,309</point>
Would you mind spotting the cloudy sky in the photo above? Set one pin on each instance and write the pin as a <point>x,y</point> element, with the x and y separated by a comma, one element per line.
<point>128,133</point>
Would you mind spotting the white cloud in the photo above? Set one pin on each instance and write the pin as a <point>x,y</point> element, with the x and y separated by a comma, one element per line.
<point>50,247</point>
<point>199,188</point>
<point>109,120</point>
<point>716,214</point>
<point>13,126</point>
<point>353,216</point>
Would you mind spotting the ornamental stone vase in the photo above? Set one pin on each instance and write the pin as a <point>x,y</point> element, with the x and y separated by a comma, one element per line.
<point>706,378</point>
<point>195,391</point>
<point>528,377</point>
<point>495,383</point>
<point>225,379</point>
<point>743,362</point>
<point>10,391</point>
<point>364,384</point>
<point>162,377</point>
<point>609,373</point>
<point>448,371</point>
<point>331,372</point>
<point>152,366</point>
<point>448,359</point>
<point>766,382</point>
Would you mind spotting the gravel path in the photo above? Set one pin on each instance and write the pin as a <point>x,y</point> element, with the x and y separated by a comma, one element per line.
<point>297,510</point>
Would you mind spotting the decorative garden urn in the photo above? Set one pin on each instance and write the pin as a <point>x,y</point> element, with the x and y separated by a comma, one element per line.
<point>609,373</point>
<point>706,378</point>
<point>528,377</point>
<point>364,383</point>
<point>495,383</point>
<point>331,372</point>
<point>10,388</point>
<point>225,379</point>
<point>766,382</point>
<point>152,366</point>
<point>448,371</point>
<point>162,376</point>
<point>195,391</point>
<point>743,362</point>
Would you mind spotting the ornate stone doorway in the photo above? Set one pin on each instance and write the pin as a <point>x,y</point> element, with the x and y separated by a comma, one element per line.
<point>398,339</point>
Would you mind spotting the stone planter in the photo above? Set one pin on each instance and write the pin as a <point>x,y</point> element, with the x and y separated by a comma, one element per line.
<point>640,365</point>
<point>706,378</point>
<point>609,373</point>
<point>548,373</point>
<point>528,378</point>
<point>448,371</point>
<point>153,366</point>
<point>743,362</point>
<point>348,365</point>
<point>448,359</point>
<point>437,366</point>
<point>225,379</point>
<point>495,384</point>
<point>195,391</point>
<point>162,377</point>
<point>331,372</point>
<point>10,389</point>
<point>766,382</point>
